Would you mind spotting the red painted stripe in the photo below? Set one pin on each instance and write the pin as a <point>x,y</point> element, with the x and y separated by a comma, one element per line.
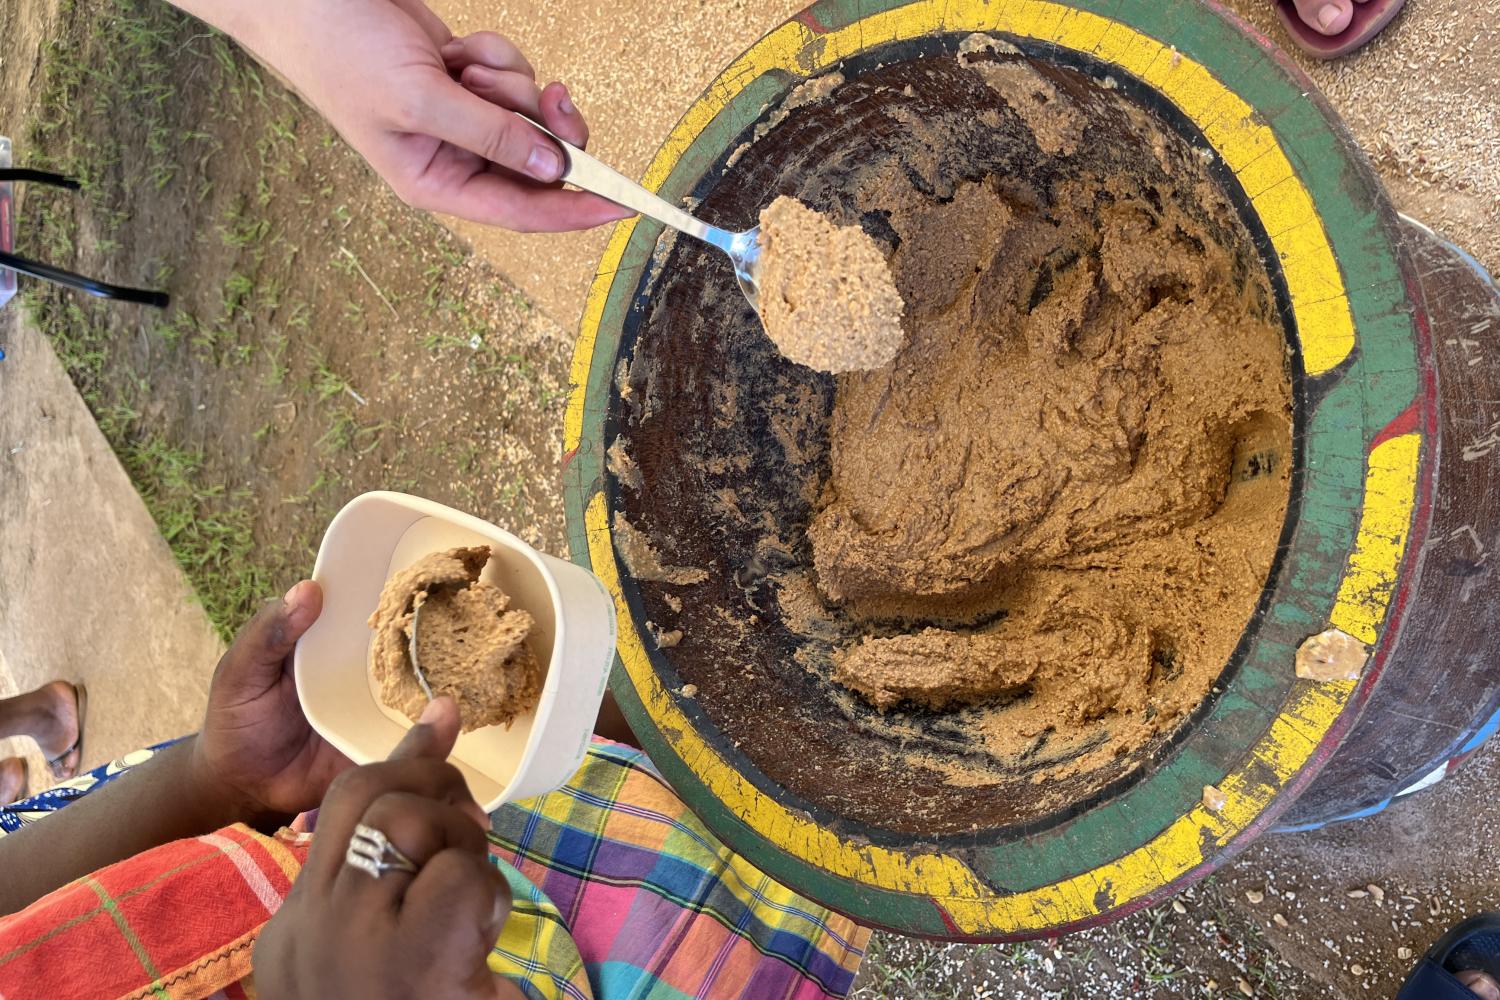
<point>810,19</point>
<point>1410,420</point>
<point>948,921</point>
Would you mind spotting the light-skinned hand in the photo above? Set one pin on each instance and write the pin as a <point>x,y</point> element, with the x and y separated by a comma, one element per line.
<point>433,114</point>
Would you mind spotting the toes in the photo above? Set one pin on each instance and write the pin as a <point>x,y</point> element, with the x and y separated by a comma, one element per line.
<point>66,766</point>
<point>1479,984</point>
<point>1328,17</point>
<point>12,780</point>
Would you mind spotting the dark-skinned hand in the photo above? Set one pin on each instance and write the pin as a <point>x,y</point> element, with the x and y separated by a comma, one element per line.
<point>345,933</point>
<point>256,745</point>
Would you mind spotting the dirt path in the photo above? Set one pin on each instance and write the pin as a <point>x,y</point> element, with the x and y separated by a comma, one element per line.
<point>323,338</point>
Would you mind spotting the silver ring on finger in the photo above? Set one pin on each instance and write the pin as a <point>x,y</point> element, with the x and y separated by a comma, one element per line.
<point>372,852</point>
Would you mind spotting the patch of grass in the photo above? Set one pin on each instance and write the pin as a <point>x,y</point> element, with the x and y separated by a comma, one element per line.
<point>268,295</point>
<point>115,60</point>
<point>238,84</point>
<point>1021,953</point>
<point>435,275</point>
<point>1262,970</point>
<point>207,527</point>
<point>1157,966</point>
<point>212,339</point>
<point>277,368</point>
<point>347,262</point>
<point>470,458</point>
<point>76,330</point>
<point>118,68</point>
<point>239,230</point>
<point>327,383</point>
<point>237,289</point>
<point>50,226</point>
<point>452,253</point>
<point>514,496</point>
<point>320,484</point>
<point>299,317</point>
<point>277,147</point>
<point>346,433</point>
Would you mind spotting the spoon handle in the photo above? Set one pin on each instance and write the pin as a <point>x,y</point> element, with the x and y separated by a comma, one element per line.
<point>582,170</point>
<point>411,645</point>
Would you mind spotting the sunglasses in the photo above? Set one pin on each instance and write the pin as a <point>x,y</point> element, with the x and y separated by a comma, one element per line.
<point>11,264</point>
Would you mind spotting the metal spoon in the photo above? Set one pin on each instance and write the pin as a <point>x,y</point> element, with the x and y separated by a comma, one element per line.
<point>743,249</point>
<point>411,644</point>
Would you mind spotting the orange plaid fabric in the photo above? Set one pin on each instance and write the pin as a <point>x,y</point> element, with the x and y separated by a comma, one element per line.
<point>175,923</point>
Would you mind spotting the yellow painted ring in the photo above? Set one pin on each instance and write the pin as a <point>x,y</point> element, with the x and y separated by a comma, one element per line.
<point>1326,330</point>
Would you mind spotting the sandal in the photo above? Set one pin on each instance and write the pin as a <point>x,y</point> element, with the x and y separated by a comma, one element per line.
<point>1472,945</point>
<point>60,771</point>
<point>1368,20</point>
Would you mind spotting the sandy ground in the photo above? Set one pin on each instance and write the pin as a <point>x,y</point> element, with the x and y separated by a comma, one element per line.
<point>1421,100</point>
<point>92,593</point>
<point>632,84</point>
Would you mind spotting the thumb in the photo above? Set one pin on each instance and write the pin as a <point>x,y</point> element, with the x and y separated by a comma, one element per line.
<point>255,658</point>
<point>469,121</point>
<point>434,734</point>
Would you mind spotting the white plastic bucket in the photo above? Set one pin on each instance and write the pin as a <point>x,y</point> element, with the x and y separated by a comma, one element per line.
<point>378,534</point>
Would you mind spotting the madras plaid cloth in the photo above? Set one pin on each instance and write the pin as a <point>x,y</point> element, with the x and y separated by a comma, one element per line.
<point>656,906</point>
<point>619,892</point>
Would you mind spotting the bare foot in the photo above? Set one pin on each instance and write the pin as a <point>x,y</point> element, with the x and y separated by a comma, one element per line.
<point>1480,984</point>
<point>12,780</point>
<point>57,735</point>
<point>1328,17</point>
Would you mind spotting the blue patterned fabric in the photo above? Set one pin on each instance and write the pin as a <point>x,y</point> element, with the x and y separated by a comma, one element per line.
<point>18,814</point>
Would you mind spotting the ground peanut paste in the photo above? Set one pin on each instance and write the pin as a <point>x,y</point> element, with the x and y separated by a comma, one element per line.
<point>1039,484</point>
<point>471,643</point>
<point>983,579</point>
<point>825,291</point>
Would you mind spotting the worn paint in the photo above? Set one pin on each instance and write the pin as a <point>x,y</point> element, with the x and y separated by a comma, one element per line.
<point>588,333</point>
<point>1390,493</point>
<point>1326,332</point>
<point>1250,149</point>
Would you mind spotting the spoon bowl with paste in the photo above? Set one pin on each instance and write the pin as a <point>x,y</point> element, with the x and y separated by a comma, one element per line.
<point>824,292</point>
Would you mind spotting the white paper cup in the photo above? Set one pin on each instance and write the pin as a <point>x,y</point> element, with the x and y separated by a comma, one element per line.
<point>382,533</point>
